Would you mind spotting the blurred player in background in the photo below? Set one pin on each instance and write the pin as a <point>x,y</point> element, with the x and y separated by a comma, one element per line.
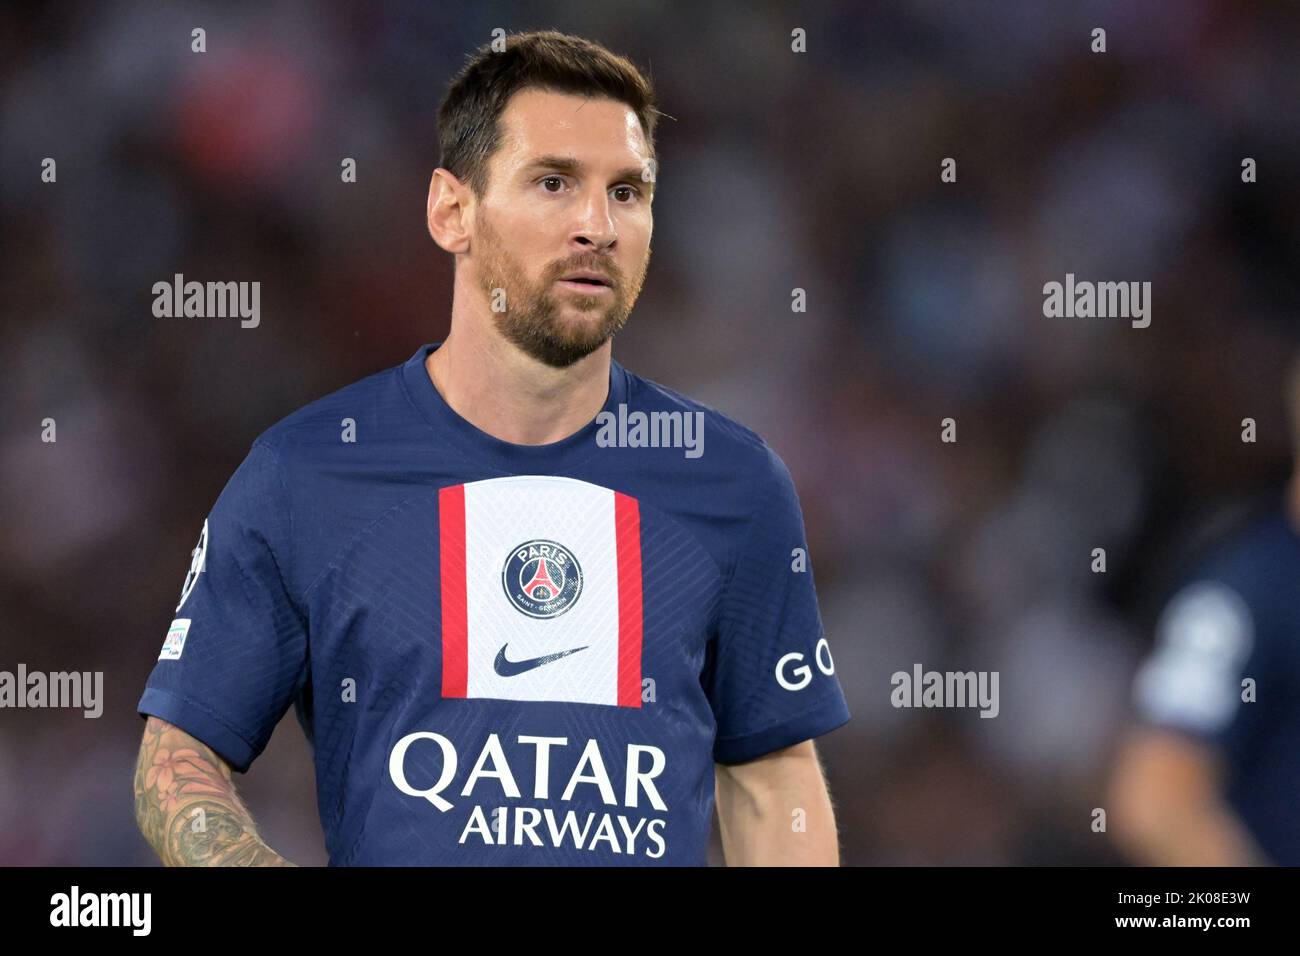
<point>1210,775</point>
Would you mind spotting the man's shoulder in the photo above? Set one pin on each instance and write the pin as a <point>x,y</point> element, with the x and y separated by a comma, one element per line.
<point>738,492</point>
<point>365,408</point>
<point>729,443</point>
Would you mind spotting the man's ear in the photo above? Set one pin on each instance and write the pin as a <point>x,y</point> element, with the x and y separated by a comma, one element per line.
<point>447,212</point>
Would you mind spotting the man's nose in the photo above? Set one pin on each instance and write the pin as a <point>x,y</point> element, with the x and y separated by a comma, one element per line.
<point>595,226</point>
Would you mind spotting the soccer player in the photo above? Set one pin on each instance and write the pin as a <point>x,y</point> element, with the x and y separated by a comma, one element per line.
<point>1210,774</point>
<point>529,607</point>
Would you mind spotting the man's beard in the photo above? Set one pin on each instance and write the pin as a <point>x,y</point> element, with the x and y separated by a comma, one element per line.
<point>532,318</point>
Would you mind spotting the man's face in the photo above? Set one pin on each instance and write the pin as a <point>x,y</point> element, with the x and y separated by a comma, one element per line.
<point>567,193</point>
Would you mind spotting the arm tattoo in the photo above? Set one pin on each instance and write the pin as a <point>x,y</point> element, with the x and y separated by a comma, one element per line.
<point>186,805</point>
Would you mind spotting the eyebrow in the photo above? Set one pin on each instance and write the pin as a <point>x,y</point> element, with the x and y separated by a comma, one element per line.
<point>571,166</point>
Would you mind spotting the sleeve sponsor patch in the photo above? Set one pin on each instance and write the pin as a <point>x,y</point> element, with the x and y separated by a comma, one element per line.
<point>175,642</point>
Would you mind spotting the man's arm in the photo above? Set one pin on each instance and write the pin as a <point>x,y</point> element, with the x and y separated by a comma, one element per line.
<point>757,803</point>
<point>1167,805</point>
<point>186,805</point>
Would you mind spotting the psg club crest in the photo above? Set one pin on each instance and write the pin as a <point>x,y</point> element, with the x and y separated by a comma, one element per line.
<point>542,579</point>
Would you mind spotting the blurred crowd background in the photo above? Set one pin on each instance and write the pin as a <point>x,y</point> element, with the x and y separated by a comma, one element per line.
<point>777,170</point>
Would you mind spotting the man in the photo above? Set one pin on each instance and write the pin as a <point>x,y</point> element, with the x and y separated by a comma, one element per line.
<point>516,630</point>
<point>1211,774</point>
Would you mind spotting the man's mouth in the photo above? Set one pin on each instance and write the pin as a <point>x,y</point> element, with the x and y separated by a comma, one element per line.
<point>589,282</point>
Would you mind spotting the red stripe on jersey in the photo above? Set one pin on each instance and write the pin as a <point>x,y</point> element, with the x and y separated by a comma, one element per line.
<point>627,535</point>
<point>451,545</point>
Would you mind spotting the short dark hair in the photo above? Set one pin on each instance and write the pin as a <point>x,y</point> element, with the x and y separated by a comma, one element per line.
<point>468,119</point>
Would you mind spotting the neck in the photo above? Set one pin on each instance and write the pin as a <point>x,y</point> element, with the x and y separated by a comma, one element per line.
<point>513,397</point>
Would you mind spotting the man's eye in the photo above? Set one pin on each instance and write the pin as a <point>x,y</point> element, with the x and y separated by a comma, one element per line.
<point>632,193</point>
<point>551,179</point>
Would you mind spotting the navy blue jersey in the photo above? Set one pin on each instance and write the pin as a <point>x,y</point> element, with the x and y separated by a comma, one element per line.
<point>1236,620</point>
<point>503,654</point>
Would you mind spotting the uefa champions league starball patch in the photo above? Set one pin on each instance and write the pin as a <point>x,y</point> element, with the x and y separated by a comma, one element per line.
<point>542,578</point>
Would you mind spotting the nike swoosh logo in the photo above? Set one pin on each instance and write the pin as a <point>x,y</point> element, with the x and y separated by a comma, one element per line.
<point>508,668</point>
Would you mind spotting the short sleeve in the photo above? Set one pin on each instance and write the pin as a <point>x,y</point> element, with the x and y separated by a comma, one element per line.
<point>1205,645</point>
<point>235,657</point>
<point>771,681</point>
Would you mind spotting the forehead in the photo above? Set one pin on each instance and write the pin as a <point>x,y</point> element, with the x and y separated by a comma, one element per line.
<point>537,122</point>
